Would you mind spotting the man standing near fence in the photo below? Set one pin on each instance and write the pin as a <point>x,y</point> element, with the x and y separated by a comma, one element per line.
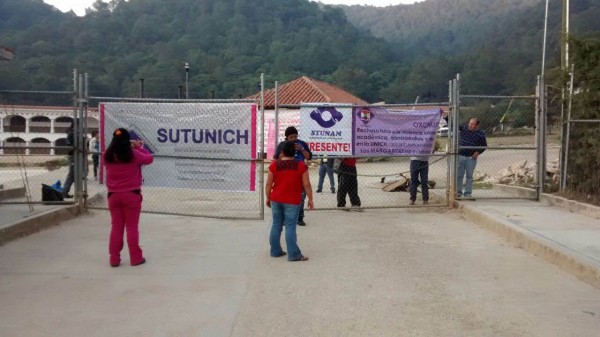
<point>326,168</point>
<point>348,185</point>
<point>419,173</point>
<point>470,135</point>
<point>303,154</point>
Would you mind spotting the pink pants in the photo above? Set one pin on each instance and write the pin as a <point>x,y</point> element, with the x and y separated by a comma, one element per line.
<point>125,208</point>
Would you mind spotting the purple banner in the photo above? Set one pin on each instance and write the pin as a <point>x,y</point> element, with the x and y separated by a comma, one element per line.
<point>383,132</point>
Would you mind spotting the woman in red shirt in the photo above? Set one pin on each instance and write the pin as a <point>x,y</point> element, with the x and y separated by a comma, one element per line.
<point>285,181</point>
<point>123,160</point>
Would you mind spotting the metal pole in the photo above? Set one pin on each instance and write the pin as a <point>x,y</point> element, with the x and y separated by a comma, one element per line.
<point>450,193</point>
<point>456,129</point>
<point>567,138</point>
<point>187,88</point>
<point>544,126</point>
<point>85,132</point>
<point>261,177</point>
<point>545,39</point>
<point>141,88</point>
<point>276,140</point>
<point>77,137</point>
<point>538,130</point>
<point>567,29</point>
<point>73,158</point>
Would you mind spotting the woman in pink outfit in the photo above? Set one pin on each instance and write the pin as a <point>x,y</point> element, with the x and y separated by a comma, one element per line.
<point>123,160</point>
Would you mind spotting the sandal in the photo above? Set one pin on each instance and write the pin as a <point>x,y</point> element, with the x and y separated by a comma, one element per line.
<point>302,258</point>
<point>282,254</point>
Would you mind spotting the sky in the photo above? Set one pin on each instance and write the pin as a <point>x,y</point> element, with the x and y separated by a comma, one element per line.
<point>79,6</point>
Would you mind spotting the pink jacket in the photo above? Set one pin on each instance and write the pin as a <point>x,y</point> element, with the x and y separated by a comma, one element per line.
<point>125,177</point>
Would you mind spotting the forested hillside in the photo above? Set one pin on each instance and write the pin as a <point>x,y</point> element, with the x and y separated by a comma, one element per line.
<point>495,44</point>
<point>228,43</point>
<point>394,54</point>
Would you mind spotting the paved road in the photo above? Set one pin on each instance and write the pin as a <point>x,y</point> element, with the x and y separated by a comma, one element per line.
<point>377,273</point>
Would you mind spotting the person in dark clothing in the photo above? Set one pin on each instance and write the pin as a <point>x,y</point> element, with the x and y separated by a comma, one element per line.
<point>326,168</point>
<point>470,135</point>
<point>419,174</point>
<point>302,153</point>
<point>348,184</point>
<point>71,162</point>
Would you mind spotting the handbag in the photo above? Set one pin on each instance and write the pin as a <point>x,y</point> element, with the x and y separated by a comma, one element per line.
<point>337,164</point>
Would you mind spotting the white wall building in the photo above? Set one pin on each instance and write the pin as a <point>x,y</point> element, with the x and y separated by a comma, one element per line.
<point>44,126</point>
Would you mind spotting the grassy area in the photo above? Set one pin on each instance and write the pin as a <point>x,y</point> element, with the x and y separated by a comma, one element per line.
<point>482,185</point>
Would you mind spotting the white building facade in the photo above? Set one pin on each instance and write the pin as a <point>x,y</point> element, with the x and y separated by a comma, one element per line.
<point>39,126</point>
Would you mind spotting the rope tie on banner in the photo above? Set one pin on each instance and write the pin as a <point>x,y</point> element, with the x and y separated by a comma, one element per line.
<point>390,174</point>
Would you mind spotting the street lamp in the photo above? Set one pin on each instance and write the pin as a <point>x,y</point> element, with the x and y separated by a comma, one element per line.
<point>187,88</point>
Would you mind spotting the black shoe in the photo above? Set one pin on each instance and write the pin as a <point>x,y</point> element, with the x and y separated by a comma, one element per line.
<point>67,196</point>
<point>301,223</point>
<point>333,191</point>
<point>319,191</point>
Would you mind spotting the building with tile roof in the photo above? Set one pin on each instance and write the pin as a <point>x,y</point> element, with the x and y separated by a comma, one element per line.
<point>308,90</point>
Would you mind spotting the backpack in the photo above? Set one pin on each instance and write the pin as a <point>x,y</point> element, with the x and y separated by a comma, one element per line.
<point>50,194</point>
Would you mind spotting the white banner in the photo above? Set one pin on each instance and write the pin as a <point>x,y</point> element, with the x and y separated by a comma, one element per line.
<point>196,138</point>
<point>327,130</point>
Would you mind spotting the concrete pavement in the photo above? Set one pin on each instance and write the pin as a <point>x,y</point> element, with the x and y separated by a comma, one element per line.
<point>379,273</point>
<point>567,239</point>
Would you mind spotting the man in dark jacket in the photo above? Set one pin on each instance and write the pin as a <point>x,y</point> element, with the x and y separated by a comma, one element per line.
<point>303,153</point>
<point>470,135</point>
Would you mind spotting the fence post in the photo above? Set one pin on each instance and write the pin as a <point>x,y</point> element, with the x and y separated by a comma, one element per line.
<point>276,114</point>
<point>261,177</point>
<point>450,188</point>
<point>79,143</point>
<point>85,103</point>
<point>539,144</point>
<point>73,157</point>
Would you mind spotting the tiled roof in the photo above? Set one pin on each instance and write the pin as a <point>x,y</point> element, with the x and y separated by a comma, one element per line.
<point>308,90</point>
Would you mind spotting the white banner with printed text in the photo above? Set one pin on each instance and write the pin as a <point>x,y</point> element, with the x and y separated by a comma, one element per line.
<point>207,146</point>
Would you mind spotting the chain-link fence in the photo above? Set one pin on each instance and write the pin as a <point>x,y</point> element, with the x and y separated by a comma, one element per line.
<point>511,153</point>
<point>194,201</point>
<point>199,172</point>
<point>582,172</point>
<point>497,141</point>
<point>383,182</point>
<point>33,146</point>
<point>553,140</point>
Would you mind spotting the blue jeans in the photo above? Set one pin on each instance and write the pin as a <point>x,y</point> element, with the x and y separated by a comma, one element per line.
<point>419,168</point>
<point>284,214</point>
<point>465,165</point>
<point>323,170</point>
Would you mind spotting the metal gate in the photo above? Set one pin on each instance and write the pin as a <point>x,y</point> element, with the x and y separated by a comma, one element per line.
<point>34,151</point>
<point>512,165</point>
<point>191,201</point>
